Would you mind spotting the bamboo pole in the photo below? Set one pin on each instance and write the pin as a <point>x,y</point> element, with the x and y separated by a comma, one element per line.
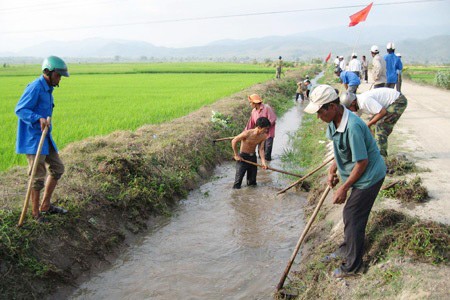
<point>33,173</point>
<point>224,139</point>
<point>302,237</point>
<point>270,168</point>
<point>307,175</point>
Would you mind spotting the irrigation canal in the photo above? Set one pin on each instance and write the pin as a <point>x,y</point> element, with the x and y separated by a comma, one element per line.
<point>219,244</point>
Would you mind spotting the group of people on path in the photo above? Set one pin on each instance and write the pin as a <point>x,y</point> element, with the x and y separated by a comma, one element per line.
<point>386,71</point>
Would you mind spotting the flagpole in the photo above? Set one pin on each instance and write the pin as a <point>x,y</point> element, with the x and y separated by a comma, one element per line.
<point>358,17</point>
<point>357,40</point>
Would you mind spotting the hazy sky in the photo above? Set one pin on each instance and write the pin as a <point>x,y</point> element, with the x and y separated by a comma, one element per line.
<point>28,22</point>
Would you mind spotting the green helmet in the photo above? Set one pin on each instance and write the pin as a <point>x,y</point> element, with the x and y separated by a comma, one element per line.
<point>54,63</point>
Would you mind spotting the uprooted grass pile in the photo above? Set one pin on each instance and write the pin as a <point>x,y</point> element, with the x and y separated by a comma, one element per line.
<point>400,165</point>
<point>392,233</point>
<point>112,187</point>
<point>411,191</point>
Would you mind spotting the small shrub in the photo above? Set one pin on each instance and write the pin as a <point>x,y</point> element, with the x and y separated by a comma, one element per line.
<point>442,79</point>
<point>220,120</point>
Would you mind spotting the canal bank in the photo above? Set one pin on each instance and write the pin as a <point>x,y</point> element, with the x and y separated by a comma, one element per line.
<point>114,187</point>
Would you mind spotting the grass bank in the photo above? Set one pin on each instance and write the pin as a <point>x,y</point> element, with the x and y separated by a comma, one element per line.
<point>113,186</point>
<point>405,257</point>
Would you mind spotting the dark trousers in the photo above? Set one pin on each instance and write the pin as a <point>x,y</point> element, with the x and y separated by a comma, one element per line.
<point>398,86</point>
<point>242,168</point>
<point>268,148</point>
<point>379,85</point>
<point>356,213</point>
<point>390,85</point>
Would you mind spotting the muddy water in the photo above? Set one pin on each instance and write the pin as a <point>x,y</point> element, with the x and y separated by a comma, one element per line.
<point>220,243</point>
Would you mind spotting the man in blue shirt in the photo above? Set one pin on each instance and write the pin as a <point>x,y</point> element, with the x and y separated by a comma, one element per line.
<point>349,79</point>
<point>393,66</point>
<point>361,168</point>
<point>33,109</point>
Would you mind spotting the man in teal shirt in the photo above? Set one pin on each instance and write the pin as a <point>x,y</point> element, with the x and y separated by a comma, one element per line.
<point>361,168</point>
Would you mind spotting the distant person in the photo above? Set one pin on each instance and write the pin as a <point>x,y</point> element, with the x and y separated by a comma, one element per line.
<point>341,62</point>
<point>262,110</point>
<point>279,67</point>
<point>249,140</point>
<point>33,108</point>
<point>308,87</point>
<point>364,69</point>
<point>378,68</point>
<point>385,105</point>
<point>336,61</point>
<point>301,88</point>
<point>349,79</point>
<point>393,65</point>
<point>360,167</point>
<point>355,65</point>
<point>398,86</point>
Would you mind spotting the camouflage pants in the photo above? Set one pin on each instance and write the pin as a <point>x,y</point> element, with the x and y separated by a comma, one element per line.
<point>384,127</point>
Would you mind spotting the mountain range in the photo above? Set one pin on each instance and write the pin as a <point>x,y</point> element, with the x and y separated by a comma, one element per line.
<point>416,44</point>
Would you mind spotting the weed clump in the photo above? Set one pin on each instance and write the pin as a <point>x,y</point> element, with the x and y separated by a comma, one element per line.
<point>407,191</point>
<point>400,165</point>
<point>392,233</point>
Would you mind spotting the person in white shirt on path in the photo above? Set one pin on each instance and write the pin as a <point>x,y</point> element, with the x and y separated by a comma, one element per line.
<point>341,62</point>
<point>355,65</point>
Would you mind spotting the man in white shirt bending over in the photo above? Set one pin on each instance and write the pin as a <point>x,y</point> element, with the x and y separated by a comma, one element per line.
<point>384,104</point>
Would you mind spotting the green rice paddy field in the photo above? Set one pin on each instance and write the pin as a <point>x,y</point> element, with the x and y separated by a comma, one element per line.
<point>424,74</point>
<point>98,99</point>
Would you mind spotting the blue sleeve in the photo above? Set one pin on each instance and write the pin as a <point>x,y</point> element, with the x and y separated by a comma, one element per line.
<point>26,105</point>
<point>399,64</point>
<point>357,143</point>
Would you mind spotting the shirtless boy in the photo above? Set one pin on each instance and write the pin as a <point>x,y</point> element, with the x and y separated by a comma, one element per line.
<point>249,140</point>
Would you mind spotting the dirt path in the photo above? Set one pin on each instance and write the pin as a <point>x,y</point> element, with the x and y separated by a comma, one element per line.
<point>422,133</point>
